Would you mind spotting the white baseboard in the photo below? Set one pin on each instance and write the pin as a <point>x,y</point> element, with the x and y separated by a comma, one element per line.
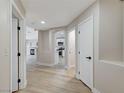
<point>45,64</point>
<point>71,66</point>
<point>117,63</point>
<point>95,90</point>
<point>68,67</point>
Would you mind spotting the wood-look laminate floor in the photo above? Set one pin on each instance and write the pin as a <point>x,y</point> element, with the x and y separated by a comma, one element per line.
<point>55,79</point>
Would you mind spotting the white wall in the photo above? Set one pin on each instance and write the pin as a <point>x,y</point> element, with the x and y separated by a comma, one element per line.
<point>5,47</point>
<point>31,34</point>
<point>46,47</point>
<point>109,77</point>
<point>108,74</point>
<point>111,30</point>
<point>44,50</point>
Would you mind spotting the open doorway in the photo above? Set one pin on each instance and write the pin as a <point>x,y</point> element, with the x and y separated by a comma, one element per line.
<point>59,46</point>
<point>71,51</point>
<point>31,45</point>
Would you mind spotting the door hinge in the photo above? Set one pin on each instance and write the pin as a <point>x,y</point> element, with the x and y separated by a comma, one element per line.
<point>79,52</point>
<point>19,28</point>
<point>19,80</point>
<point>79,72</point>
<point>19,54</point>
<point>79,32</point>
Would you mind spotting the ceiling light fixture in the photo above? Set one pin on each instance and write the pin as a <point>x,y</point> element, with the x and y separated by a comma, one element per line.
<point>43,22</point>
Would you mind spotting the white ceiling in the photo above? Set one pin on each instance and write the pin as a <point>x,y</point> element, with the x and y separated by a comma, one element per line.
<point>56,13</point>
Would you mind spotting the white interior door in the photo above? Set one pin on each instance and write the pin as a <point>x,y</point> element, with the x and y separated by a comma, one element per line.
<point>14,56</point>
<point>71,49</point>
<point>86,52</point>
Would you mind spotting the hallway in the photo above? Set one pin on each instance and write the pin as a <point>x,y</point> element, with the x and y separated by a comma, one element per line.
<point>55,79</point>
<point>42,39</point>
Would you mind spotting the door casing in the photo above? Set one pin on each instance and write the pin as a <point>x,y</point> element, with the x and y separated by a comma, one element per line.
<point>68,47</point>
<point>22,66</point>
<point>14,55</point>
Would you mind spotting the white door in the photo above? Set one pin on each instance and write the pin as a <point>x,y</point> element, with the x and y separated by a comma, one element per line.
<point>14,56</point>
<point>86,51</point>
<point>71,49</point>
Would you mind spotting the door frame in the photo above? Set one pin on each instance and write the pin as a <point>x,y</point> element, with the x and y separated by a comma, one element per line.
<point>78,49</point>
<point>17,57</point>
<point>73,29</point>
<point>54,46</point>
<point>22,67</point>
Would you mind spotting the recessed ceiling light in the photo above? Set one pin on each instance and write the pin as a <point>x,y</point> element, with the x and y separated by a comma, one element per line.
<point>43,22</point>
